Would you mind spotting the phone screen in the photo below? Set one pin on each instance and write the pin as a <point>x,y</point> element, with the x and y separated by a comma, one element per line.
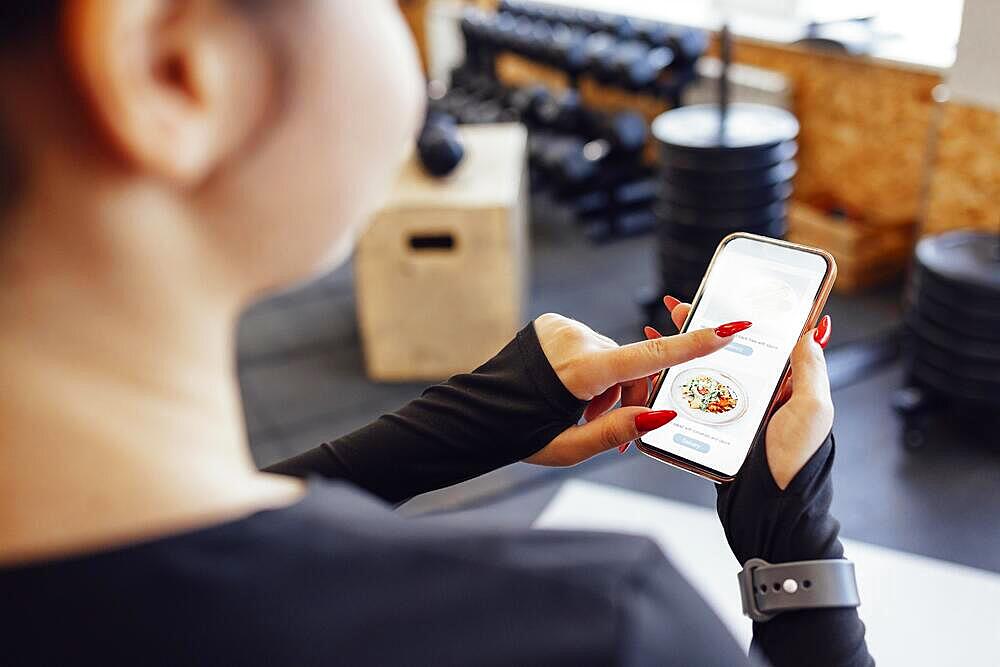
<point>722,399</point>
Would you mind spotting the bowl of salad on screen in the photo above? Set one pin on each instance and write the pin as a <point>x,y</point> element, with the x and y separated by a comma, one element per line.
<point>708,396</point>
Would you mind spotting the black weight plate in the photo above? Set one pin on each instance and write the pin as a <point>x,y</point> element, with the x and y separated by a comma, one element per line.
<point>953,385</point>
<point>700,129</point>
<point>711,236</point>
<point>667,232</point>
<point>724,199</point>
<point>686,253</point>
<point>951,319</point>
<point>953,357</point>
<point>741,179</point>
<point>958,366</point>
<point>950,366</point>
<point>964,259</point>
<point>721,219</point>
<point>959,342</point>
<point>679,265</point>
<point>684,272</point>
<point>683,261</point>
<point>950,363</point>
<point>726,162</point>
<point>968,299</point>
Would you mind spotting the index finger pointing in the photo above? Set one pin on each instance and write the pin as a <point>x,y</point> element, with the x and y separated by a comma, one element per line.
<point>637,360</point>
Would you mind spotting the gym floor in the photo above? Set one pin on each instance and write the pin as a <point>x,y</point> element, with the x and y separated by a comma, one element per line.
<point>303,382</point>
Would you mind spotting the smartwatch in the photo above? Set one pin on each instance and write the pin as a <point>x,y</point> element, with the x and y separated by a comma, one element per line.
<point>768,589</point>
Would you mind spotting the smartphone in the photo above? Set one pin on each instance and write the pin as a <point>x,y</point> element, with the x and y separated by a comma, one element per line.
<point>723,400</point>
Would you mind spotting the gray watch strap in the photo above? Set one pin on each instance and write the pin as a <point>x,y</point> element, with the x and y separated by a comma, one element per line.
<point>769,589</point>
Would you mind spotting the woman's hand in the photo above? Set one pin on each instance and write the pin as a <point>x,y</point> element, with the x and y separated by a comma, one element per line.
<point>594,368</point>
<point>801,424</point>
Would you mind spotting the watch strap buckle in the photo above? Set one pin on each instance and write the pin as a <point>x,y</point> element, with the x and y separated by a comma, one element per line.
<point>768,589</point>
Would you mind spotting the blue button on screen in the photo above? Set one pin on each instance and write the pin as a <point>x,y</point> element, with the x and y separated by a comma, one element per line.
<point>698,445</point>
<point>739,348</point>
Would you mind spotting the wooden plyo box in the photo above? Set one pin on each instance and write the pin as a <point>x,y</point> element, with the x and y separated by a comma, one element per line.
<point>866,254</point>
<point>441,272</point>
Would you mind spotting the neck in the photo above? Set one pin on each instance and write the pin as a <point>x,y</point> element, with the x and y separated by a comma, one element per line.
<point>118,399</point>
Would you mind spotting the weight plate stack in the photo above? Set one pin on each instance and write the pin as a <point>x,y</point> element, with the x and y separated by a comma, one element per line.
<point>953,319</point>
<point>720,172</point>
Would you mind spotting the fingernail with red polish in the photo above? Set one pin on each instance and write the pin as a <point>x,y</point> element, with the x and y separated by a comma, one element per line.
<point>670,302</point>
<point>654,419</point>
<point>651,333</point>
<point>732,328</point>
<point>822,333</point>
<point>622,448</point>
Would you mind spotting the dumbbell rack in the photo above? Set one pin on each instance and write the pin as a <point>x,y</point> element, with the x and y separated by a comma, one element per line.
<point>591,162</point>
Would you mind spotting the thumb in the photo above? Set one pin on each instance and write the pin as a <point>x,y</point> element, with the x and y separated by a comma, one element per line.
<point>809,369</point>
<point>613,429</point>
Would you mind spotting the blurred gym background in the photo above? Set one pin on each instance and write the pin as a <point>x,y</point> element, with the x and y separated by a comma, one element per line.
<point>564,166</point>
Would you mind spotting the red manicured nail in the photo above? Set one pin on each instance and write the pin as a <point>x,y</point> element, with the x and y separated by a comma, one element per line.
<point>670,302</point>
<point>822,333</point>
<point>654,419</point>
<point>731,328</point>
<point>651,333</point>
<point>624,447</point>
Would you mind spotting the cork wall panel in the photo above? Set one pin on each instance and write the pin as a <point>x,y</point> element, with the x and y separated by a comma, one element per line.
<point>865,129</point>
<point>965,182</point>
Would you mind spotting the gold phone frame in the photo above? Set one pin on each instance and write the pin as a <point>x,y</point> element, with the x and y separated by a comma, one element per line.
<point>822,294</point>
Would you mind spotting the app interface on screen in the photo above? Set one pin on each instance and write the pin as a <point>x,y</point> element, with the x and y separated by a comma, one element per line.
<point>721,399</point>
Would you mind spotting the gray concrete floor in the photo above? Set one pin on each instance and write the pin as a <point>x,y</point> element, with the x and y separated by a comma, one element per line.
<point>303,383</point>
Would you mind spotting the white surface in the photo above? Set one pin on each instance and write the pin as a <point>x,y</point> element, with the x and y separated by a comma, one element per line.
<point>919,611</point>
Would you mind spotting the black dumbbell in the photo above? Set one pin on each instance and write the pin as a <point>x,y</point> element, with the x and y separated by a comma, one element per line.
<point>568,49</point>
<point>483,87</point>
<point>502,30</point>
<point>453,102</point>
<point>439,146</point>
<point>604,202</point>
<point>539,43</point>
<point>635,65</point>
<point>561,113</point>
<point>475,113</point>
<point>554,151</point>
<point>642,69</point>
<point>477,29</point>
<point>526,102</point>
<point>625,131</point>
<point>519,39</point>
<point>688,44</point>
<point>598,51</point>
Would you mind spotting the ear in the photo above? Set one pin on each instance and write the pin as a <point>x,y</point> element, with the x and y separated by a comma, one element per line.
<point>176,85</point>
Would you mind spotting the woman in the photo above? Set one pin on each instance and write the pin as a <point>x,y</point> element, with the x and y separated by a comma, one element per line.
<point>166,162</point>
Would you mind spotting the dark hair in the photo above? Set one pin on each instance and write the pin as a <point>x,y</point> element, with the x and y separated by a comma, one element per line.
<point>23,19</point>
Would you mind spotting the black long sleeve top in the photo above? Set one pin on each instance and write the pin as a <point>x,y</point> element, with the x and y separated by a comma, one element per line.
<point>339,578</point>
<point>515,404</point>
